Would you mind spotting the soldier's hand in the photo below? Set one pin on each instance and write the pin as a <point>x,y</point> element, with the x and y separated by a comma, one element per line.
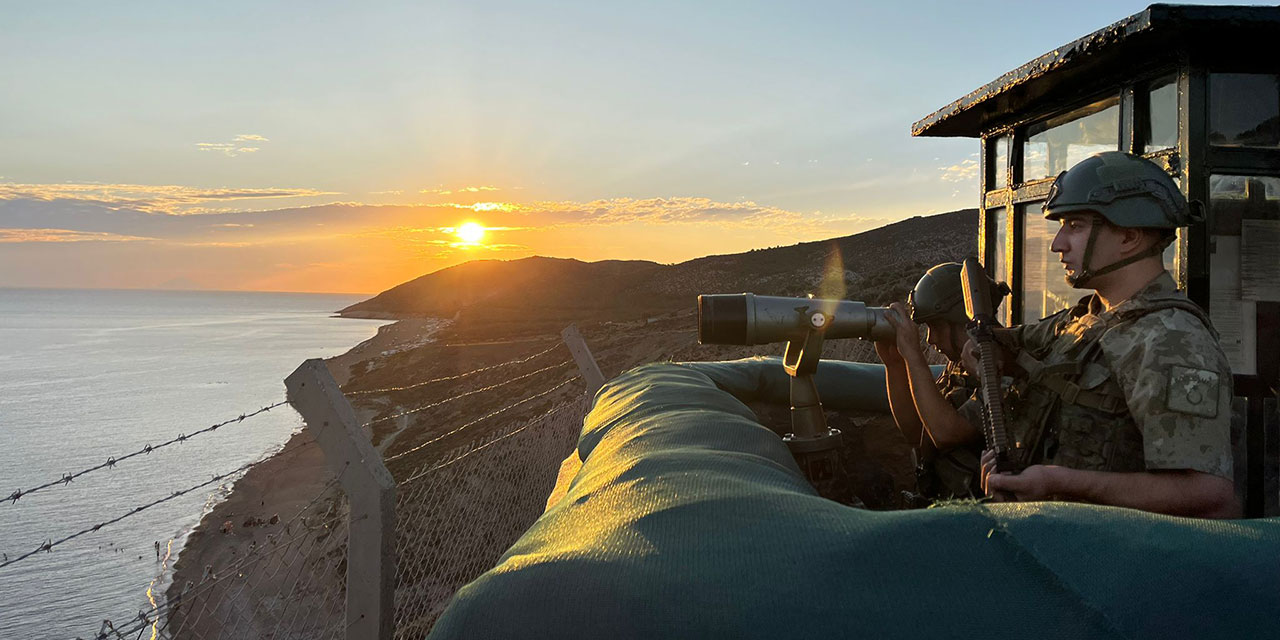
<point>1005,359</point>
<point>1034,483</point>
<point>969,357</point>
<point>887,349</point>
<point>988,472</point>
<point>906,332</point>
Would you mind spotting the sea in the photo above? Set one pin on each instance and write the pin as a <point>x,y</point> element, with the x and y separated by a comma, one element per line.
<point>86,375</point>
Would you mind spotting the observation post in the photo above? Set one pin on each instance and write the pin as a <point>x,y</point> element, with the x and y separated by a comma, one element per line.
<point>1196,90</point>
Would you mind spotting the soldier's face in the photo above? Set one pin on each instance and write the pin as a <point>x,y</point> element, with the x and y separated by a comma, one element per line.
<point>942,335</point>
<point>1072,237</point>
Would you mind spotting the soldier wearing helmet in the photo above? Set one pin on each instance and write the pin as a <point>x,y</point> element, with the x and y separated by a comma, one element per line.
<point>946,447</point>
<point>1125,398</point>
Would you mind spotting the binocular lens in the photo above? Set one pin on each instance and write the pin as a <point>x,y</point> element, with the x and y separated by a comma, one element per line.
<point>722,318</point>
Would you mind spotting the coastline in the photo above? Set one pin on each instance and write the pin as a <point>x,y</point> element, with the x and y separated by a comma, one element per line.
<point>292,479</point>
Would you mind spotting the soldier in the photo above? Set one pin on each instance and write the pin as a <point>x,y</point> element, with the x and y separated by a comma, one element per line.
<point>1125,398</point>
<point>947,447</point>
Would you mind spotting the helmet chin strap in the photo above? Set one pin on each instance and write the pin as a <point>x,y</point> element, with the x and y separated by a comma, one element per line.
<point>1081,279</point>
<point>956,343</point>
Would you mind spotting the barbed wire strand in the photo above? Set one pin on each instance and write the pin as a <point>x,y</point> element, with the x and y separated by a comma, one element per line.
<point>112,461</point>
<point>458,376</point>
<point>460,452</point>
<point>263,552</point>
<point>49,544</point>
<point>468,393</point>
<point>492,343</point>
<point>478,420</point>
<point>440,465</point>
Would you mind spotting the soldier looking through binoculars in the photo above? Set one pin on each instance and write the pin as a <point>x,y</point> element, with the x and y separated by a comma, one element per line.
<point>1123,399</point>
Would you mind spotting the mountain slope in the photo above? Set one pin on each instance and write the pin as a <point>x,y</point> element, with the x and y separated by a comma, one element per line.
<point>533,295</point>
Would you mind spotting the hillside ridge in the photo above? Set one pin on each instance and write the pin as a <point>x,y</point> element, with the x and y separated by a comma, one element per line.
<point>535,294</point>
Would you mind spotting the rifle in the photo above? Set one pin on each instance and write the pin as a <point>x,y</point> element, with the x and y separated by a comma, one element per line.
<point>981,311</point>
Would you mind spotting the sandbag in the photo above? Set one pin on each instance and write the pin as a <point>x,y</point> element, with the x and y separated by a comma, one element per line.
<point>690,520</point>
<point>841,385</point>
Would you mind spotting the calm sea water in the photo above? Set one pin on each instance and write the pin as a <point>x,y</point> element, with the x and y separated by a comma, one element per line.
<point>85,375</point>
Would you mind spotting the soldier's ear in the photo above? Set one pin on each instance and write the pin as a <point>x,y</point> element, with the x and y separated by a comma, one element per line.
<point>1133,239</point>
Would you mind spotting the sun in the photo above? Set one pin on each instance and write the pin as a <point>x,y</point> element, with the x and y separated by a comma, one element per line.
<point>471,232</point>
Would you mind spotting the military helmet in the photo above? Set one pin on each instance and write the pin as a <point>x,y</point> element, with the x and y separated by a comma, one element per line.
<point>939,295</point>
<point>1127,190</point>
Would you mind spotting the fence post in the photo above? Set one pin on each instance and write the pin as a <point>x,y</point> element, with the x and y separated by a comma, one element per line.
<point>587,366</point>
<point>371,492</point>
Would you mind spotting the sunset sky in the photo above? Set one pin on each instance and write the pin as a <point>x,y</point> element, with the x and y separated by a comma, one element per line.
<point>338,147</point>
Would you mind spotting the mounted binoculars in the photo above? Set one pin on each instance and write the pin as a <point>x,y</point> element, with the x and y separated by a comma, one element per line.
<point>802,323</point>
<point>749,319</point>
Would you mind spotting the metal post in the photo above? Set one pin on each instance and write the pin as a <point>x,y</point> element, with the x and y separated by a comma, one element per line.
<point>371,491</point>
<point>582,356</point>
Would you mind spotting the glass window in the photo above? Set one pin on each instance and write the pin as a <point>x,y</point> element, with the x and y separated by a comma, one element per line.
<point>1044,284</point>
<point>1244,109</point>
<point>1000,266</point>
<point>1160,130</point>
<point>998,157</point>
<point>1054,145</point>
<point>1244,226</point>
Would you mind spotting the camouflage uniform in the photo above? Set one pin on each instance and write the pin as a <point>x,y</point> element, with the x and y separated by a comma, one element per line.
<point>952,473</point>
<point>1140,387</point>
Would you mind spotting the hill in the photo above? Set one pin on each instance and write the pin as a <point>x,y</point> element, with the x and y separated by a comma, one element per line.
<point>538,294</point>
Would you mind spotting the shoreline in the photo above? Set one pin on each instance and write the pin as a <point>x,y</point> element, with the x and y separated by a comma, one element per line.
<point>258,506</point>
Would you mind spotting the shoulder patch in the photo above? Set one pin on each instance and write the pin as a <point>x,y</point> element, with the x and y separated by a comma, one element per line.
<point>1193,391</point>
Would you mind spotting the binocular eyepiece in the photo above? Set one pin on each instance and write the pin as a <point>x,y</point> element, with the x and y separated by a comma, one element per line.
<point>748,319</point>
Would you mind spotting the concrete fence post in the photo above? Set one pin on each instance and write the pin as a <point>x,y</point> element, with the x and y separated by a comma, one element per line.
<point>587,366</point>
<point>371,492</point>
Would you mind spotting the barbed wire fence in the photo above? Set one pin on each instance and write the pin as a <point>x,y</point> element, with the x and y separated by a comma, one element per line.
<point>117,463</point>
<point>369,555</point>
<point>111,462</point>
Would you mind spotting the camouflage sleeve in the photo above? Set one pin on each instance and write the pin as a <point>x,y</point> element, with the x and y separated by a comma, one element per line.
<point>1035,336</point>
<point>1178,386</point>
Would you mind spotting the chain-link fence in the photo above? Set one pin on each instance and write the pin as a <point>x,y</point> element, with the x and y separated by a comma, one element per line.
<point>457,516</point>
<point>295,591</point>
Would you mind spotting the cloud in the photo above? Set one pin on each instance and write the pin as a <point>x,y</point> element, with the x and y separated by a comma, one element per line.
<point>171,199</point>
<point>965,172</point>
<point>233,148</point>
<point>489,206</point>
<point>661,210</point>
<point>460,190</point>
<point>12,236</point>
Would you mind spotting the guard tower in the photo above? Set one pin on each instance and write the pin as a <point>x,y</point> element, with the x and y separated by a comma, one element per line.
<point>1197,90</point>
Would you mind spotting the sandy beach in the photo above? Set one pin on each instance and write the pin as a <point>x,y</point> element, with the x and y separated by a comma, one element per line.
<point>261,504</point>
